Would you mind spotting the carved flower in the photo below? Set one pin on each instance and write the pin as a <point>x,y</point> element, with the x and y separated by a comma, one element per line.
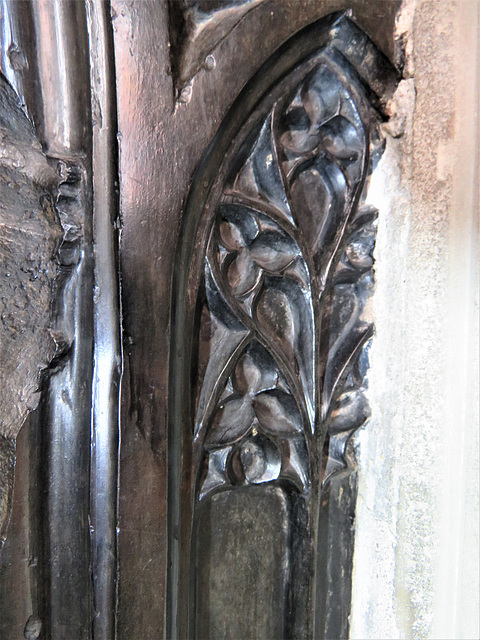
<point>312,121</point>
<point>256,403</point>
<point>270,250</point>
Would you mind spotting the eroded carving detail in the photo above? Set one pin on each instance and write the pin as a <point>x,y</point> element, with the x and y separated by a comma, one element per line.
<point>288,274</point>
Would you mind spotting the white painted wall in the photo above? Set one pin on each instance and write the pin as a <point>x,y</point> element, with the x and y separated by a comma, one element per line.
<point>416,570</point>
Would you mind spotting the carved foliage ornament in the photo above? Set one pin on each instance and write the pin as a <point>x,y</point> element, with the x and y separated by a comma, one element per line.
<point>287,278</point>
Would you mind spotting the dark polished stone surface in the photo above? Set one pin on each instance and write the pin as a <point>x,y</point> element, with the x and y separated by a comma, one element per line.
<point>182,553</point>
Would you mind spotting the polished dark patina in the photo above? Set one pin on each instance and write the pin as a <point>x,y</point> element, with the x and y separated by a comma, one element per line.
<point>211,163</point>
<point>282,332</point>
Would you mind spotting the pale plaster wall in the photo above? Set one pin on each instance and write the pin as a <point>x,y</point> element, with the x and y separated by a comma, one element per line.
<point>416,571</point>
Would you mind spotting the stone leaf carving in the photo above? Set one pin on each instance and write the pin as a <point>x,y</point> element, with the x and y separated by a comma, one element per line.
<point>197,27</point>
<point>288,274</point>
<point>30,234</point>
<point>271,322</point>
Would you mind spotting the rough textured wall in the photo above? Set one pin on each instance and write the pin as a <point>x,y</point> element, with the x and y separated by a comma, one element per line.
<point>29,236</point>
<point>416,553</point>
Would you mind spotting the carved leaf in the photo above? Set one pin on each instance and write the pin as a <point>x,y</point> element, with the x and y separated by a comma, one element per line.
<point>348,327</point>
<point>254,373</point>
<point>242,274</point>
<point>261,177</point>
<point>215,476</point>
<point>349,412</point>
<point>275,313</point>
<point>217,304</point>
<point>318,194</point>
<point>300,139</point>
<point>343,337</point>
<point>231,422</point>
<point>316,102</point>
<point>321,96</point>
<point>295,461</point>
<point>217,346</point>
<point>277,412</point>
<point>273,251</point>
<point>357,257</point>
<point>244,219</point>
<point>231,236</point>
<point>285,317</point>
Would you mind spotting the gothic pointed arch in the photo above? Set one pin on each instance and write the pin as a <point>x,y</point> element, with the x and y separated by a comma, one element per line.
<point>271,322</point>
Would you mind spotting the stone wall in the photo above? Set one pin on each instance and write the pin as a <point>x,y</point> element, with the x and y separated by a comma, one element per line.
<point>416,550</point>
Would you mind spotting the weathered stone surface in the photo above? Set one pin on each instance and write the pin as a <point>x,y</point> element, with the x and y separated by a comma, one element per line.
<point>29,236</point>
<point>417,524</point>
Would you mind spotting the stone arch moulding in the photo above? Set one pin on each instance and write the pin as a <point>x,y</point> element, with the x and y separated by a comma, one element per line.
<point>270,339</point>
